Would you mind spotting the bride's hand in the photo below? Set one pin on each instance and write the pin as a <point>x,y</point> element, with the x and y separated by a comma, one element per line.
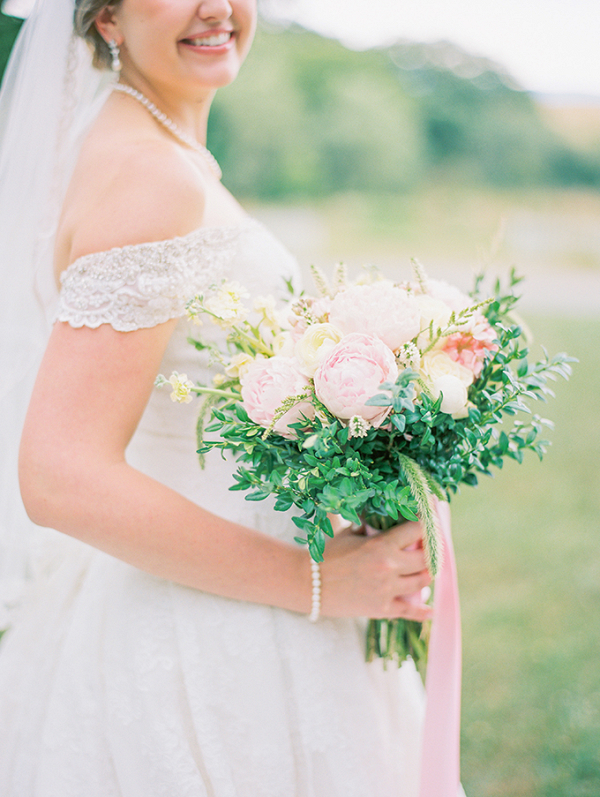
<point>377,577</point>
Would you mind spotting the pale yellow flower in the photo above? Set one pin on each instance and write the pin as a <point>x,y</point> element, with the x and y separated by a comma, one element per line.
<point>193,309</point>
<point>182,388</point>
<point>226,304</point>
<point>219,379</point>
<point>265,305</point>
<point>238,365</point>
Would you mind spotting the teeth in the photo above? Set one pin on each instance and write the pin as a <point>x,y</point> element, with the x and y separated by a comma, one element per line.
<point>211,41</point>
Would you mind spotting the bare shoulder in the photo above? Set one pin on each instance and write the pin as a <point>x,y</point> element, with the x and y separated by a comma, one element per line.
<point>141,191</point>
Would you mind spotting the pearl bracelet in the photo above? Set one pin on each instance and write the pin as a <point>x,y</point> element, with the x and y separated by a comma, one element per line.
<point>316,592</point>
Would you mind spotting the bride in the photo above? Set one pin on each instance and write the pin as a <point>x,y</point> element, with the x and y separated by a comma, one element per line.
<point>165,648</point>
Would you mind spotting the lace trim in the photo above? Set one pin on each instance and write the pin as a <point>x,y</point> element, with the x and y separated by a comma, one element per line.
<point>142,285</point>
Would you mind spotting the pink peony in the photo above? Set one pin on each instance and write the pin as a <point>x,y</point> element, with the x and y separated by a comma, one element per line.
<point>449,294</point>
<point>470,346</point>
<point>352,373</point>
<point>380,309</point>
<point>266,384</point>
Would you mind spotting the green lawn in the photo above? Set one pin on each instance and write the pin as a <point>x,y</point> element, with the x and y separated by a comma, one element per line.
<point>529,563</point>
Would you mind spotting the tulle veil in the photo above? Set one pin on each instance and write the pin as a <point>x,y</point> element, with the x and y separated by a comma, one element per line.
<point>49,96</point>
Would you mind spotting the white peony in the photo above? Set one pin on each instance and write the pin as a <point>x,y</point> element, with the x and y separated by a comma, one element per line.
<point>449,294</point>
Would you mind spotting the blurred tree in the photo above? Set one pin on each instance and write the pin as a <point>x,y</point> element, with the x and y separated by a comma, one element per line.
<point>477,121</point>
<point>311,117</point>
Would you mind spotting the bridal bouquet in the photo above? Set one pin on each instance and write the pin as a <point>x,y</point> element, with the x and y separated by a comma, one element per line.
<point>368,400</point>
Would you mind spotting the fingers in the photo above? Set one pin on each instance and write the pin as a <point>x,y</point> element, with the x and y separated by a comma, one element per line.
<point>409,534</point>
<point>420,612</point>
<point>411,562</point>
<point>408,585</point>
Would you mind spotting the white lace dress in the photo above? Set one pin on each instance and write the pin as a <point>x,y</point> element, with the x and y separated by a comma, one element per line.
<point>115,683</point>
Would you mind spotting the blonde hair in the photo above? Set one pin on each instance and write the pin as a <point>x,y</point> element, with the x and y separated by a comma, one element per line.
<point>86,12</point>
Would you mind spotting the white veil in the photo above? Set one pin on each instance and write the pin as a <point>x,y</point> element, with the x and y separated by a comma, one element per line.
<point>49,95</point>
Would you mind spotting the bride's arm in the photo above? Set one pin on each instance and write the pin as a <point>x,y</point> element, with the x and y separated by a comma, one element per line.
<point>91,390</point>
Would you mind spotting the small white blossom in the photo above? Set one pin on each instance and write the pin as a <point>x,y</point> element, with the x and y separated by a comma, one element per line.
<point>358,427</point>
<point>409,356</point>
<point>182,388</point>
<point>193,309</point>
<point>219,379</point>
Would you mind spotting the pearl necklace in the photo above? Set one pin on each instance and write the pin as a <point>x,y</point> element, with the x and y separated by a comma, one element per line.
<point>176,131</point>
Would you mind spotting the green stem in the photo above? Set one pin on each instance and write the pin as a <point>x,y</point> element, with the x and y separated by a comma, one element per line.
<point>214,391</point>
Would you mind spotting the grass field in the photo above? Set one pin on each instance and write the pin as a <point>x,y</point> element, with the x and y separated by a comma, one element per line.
<point>529,563</point>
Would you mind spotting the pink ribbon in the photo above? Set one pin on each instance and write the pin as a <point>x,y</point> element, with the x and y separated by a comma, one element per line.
<point>440,758</point>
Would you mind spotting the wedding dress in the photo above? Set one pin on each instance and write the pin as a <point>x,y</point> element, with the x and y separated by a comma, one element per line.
<point>116,683</point>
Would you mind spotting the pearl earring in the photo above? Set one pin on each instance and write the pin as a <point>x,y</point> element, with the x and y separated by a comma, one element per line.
<point>114,53</point>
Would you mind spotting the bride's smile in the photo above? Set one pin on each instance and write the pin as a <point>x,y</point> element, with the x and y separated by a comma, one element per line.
<point>179,51</point>
<point>216,42</point>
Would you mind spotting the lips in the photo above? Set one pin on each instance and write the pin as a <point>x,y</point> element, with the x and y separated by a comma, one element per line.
<point>210,39</point>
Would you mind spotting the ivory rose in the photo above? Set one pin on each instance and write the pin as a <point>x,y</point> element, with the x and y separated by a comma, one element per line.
<point>438,363</point>
<point>318,340</point>
<point>352,373</point>
<point>266,384</point>
<point>455,398</point>
<point>380,309</point>
<point>450,378</point>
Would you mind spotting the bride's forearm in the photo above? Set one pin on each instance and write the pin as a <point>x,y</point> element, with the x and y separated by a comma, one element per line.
<point>134,518</point>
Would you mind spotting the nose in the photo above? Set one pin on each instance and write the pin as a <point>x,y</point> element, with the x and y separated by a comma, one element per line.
<point>215,10</point>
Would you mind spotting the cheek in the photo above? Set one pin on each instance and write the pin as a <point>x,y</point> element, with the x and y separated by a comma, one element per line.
<point>245,13</point>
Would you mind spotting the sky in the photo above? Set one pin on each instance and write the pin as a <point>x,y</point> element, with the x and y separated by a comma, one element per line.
<point>547,45</point>
<point>550,46</point>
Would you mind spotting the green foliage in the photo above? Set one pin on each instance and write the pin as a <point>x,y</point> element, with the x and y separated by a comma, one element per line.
<point>322,471</point>
<point>9,29</point>
<point>306,118</point>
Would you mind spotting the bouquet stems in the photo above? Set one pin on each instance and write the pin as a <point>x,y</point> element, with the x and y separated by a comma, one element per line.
<point>396,640</point>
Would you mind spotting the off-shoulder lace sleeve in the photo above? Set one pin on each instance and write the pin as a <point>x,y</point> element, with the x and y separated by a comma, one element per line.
<point>143,285</point>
